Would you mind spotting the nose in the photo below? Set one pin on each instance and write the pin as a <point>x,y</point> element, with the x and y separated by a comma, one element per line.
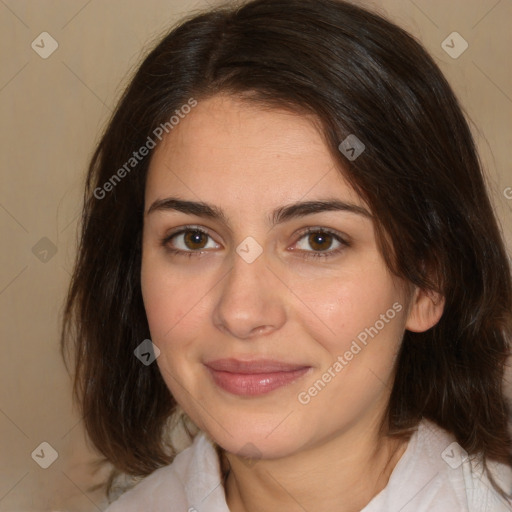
<point>250,301</point>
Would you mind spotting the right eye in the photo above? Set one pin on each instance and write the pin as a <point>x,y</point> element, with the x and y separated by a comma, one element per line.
<point>188,240</point>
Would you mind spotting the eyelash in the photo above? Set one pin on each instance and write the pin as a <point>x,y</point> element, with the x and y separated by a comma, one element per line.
<point>307,254</point>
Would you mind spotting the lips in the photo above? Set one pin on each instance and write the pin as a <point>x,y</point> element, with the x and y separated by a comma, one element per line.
<point>256,366</point>
<point>254,377</point>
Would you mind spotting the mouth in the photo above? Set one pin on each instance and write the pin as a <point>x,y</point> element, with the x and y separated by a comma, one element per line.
<point>252,378</point>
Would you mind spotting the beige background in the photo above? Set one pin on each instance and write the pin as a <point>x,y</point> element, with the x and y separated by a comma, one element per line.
<point>51,113</point>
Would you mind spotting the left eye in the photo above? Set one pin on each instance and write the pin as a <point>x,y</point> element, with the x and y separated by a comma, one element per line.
<point>321,242</point>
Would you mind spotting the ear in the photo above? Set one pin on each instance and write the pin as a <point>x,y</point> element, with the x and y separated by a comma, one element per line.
<point>425,311</point>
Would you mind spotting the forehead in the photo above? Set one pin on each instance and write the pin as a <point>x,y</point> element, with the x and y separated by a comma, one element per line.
<point>229,149</point>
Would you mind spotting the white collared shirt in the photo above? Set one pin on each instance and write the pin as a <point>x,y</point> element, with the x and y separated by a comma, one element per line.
<point>433,475</point>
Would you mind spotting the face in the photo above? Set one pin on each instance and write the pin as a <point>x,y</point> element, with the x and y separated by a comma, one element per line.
<point>277,326</point>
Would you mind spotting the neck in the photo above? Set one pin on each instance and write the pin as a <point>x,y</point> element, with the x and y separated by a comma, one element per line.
<point>343,473</point>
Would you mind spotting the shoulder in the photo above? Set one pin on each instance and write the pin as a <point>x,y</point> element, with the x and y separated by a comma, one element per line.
<point>460,475</point>
<point>435,474</point>
<point>187,481</point>
<point>461,470</point>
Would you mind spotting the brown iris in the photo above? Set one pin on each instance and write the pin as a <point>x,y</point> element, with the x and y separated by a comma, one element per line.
<point>193,239</point>
<point>316,240</point>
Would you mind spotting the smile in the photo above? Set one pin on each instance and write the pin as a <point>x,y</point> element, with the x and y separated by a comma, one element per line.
<point>252,378</point>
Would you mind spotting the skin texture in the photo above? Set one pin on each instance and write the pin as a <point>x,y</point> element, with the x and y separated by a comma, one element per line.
<point>248,161</point>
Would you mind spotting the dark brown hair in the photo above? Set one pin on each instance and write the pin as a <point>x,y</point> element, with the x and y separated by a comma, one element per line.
<point>357,74</point>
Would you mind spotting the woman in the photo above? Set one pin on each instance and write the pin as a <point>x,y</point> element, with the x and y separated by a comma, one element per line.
<point>288,244</point>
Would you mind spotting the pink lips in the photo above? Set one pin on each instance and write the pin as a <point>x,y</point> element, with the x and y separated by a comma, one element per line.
<point>253,377</point>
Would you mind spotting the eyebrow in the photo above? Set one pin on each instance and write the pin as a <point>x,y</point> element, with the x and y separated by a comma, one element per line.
<point>278,216</point>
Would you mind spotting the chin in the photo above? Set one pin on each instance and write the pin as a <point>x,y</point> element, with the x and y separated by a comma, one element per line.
<point>257,440</point>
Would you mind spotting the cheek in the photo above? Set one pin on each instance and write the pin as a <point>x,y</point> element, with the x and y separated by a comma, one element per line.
<point>346,305</point>
<point>167,299</point>
<point>177,309</point>
<point>170,306</point>
<point>366,320</point>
